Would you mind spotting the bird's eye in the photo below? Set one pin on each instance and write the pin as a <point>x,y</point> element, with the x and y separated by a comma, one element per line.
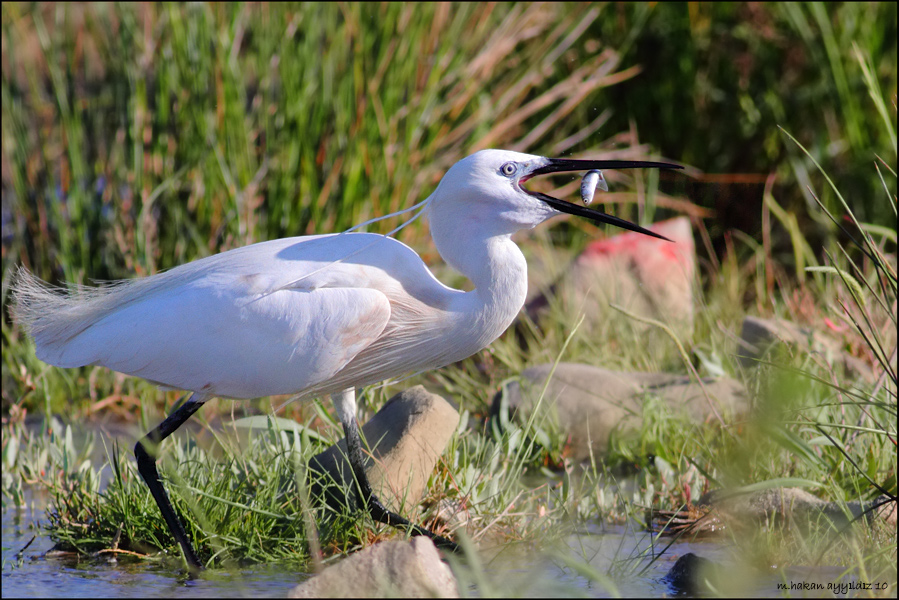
<point>508,169</point>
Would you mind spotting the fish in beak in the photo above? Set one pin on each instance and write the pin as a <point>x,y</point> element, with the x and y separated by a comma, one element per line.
<point>564,165</point>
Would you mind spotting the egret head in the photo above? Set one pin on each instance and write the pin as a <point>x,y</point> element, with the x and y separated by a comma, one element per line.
<point>487,189</point>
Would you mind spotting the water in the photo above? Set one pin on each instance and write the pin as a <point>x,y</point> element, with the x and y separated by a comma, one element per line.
<point>509,569</point>
<point>43,573</point>
<point>602,564</point>
<point>617,555</point>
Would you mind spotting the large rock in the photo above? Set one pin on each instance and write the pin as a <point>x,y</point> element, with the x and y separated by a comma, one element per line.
<point>760,337</point>
<point>797,506</point>
<point>738,511</point>
<point>410,569</point>
<point>644,275</point>
<point>406,437</point>
<point>589,402</point>
<point>693,575</point>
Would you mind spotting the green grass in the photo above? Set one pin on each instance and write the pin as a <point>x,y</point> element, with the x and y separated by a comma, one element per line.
<point>212,127</point>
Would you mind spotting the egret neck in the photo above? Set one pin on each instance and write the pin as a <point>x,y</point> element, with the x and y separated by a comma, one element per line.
<point>487,256</point>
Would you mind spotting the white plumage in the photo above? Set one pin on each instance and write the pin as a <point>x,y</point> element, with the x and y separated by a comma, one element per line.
<point>277,317</point>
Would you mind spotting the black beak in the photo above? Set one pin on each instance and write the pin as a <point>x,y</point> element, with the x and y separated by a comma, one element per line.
<point>561,165</point>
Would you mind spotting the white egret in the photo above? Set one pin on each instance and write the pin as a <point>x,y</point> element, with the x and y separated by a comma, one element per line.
<point>313,315</point>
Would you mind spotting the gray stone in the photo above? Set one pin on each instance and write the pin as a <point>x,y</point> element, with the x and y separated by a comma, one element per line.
<point>759,337</point>
<point>693,575</point>
<point>589,402</point>
<point>649,277</point>
<point>406,437</point>
<point>795,505</point>
<point>408,569</point>
<point>449,514</point>
<point>886,510</point>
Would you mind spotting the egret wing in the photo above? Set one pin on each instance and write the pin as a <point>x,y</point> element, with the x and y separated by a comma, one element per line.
<point>225,343</point>
<point>274,317</point>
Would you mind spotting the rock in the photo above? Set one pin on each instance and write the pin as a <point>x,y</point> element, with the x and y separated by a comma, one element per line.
<point>392,569</point>
<point>759,337</point>
<point>886,510</point>
<point>590,402</point>
<point>407,437</point>
<point>693,575</point>
<point>795,505</point>
<point>649,277</point>
<point>449,514</point>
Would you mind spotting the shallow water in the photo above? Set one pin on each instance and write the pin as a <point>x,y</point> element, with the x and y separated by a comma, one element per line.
<point>618,554</point>
<point>594,563</point>
<point>41,573</point>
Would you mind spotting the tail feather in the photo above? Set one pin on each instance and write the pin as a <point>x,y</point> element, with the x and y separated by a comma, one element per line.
<point>53,316</point>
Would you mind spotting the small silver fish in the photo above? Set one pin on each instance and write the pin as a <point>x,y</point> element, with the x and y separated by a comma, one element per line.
<point>592,180</point>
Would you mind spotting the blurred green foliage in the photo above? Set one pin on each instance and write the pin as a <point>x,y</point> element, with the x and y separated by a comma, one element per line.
<point>718,78</point>
<point>140,137</point>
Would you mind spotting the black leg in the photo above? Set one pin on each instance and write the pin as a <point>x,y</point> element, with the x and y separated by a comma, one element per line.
<point>368,501</point>
<point>146,465</point>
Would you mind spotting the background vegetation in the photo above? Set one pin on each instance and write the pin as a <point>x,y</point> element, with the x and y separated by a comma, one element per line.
<point>139,137</point>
